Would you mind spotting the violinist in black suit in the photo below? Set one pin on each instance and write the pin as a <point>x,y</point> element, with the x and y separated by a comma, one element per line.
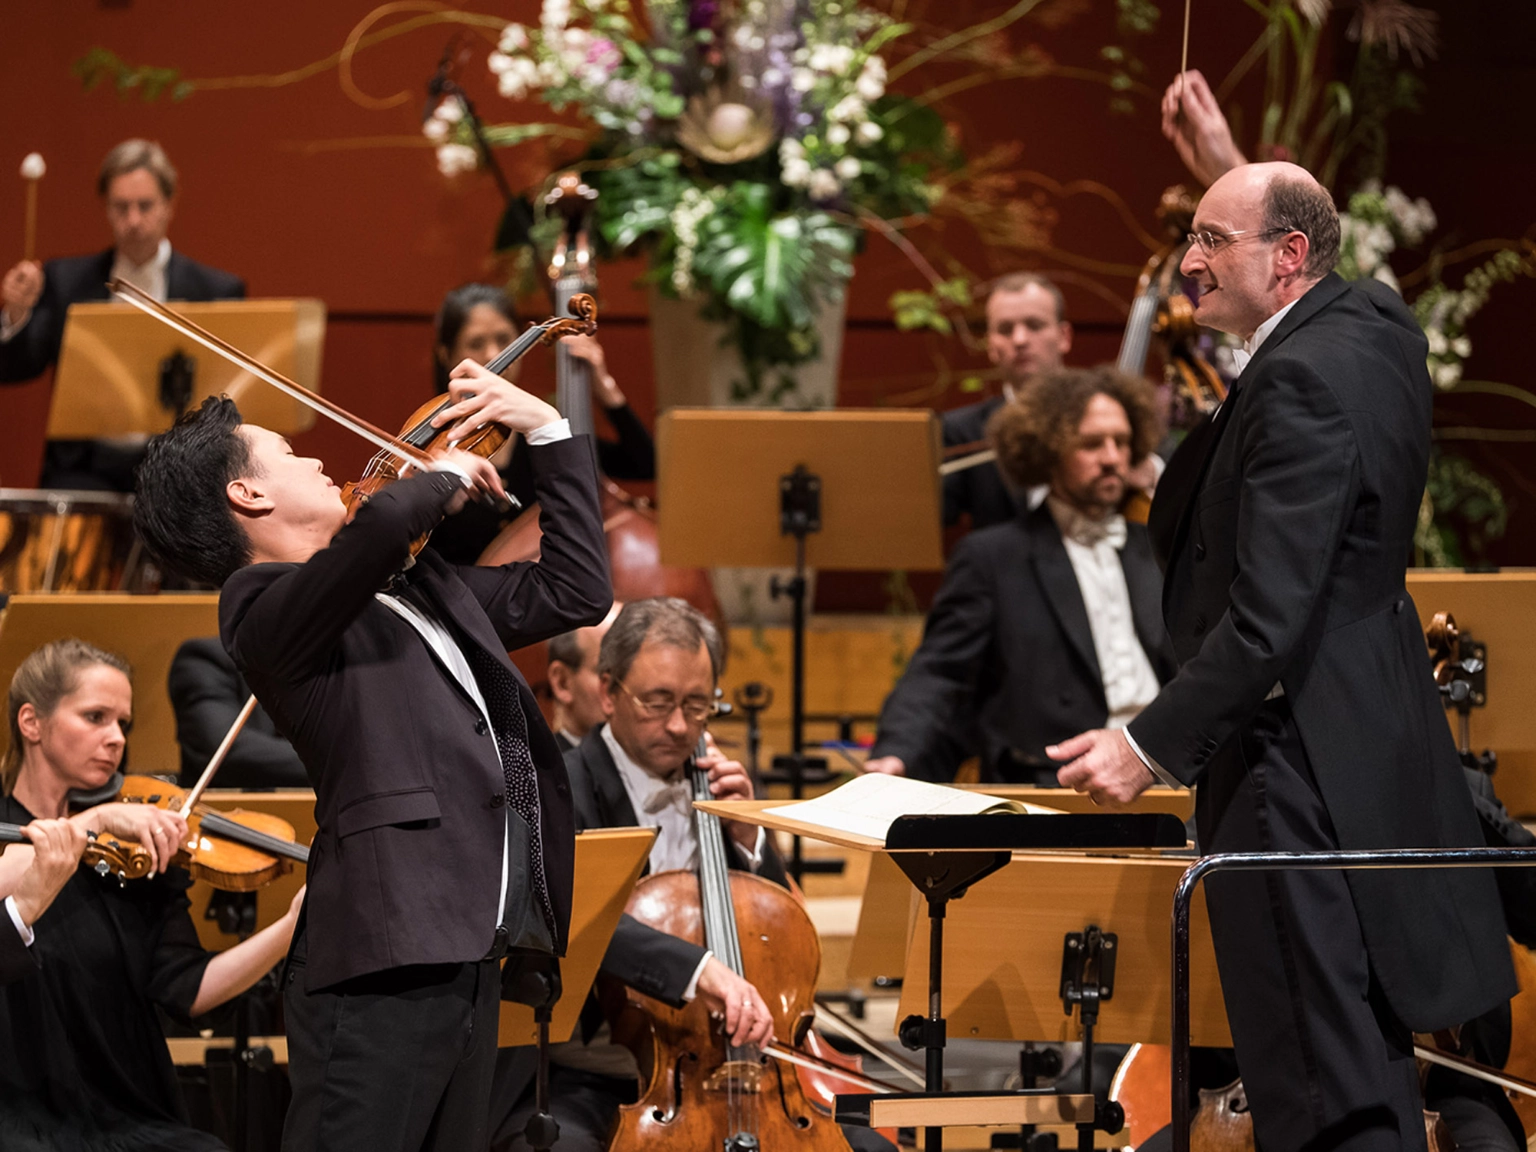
<point>137,184</point>
<point>1027,334</point>
<point>445,835</point>
<point>1049,622</point>
<point>660,662</point>
<point>1304,707</point>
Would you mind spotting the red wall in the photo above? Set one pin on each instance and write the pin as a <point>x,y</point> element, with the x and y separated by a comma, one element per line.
<point>275,188</point>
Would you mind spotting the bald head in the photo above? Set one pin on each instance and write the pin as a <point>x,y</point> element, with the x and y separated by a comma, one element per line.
<point>1273,233</point>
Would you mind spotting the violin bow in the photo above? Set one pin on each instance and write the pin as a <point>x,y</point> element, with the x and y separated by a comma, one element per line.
<point>1475,1070</point>
<point>375,435</point>
<point>217,758</point>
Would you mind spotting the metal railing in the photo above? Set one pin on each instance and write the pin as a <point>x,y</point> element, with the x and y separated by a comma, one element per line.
<point>1417,858</point>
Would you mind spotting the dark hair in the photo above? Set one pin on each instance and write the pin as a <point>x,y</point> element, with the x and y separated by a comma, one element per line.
<point>1034,430</point>
<point>180,510</point>
<point>567,649</point>
<point>659,620</point>
<point>454,312</point>
<point>1293,204</point>
<point>1018,281</point>
<point>130,156</point>
<point>44,678</point>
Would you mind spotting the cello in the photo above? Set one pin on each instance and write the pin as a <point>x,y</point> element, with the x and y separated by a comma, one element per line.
<point>697,1090</point>
<point>634,555</point>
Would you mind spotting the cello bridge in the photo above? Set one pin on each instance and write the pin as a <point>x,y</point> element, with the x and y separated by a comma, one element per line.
<point>736,1076</point>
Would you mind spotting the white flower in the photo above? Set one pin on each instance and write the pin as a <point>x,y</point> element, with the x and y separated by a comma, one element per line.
<point>517,79</point>
<point>848,168</point>
<point>555,14</point>
<point>833,58</point>
<point>802,80</point>
<point>435,130</point>
<point>871,81</point>
<point>790,150</point>
<point>449,111</point>
<point>838,135</point>
<point>847,110</point>
<point>1445,375</point>
<point>824,185</point>
<point>514,38</point>
<point>1461,346</point>
<point>1438,344</point>
<point>455,158</point>
<point>795,173</point>
<point>869,132</point>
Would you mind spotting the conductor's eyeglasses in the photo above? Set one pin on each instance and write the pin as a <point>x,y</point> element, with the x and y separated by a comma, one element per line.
<point>660,705</point>
<point>1213,242</point>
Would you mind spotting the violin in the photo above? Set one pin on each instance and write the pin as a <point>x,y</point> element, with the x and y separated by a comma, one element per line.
<point>698,1090</point>
<point>235,850</point>
<point>104,854</point>
<point>486,440</point>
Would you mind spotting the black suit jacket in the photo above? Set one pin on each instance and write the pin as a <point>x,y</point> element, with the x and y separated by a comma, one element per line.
<point>1009,633</point>
<point>1286,524</point>
<point>207,693</point>
<point>406,865</point>
<point>979,491</point>
<point>28,354</point>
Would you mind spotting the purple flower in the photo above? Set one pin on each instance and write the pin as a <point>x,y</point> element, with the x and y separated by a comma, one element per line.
<point>702,14</point>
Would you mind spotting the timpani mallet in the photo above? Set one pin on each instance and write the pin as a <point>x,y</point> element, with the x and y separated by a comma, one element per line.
<point>32,170</point>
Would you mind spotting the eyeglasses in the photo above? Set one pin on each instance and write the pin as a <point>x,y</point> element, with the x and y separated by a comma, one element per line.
<point>659,705</point>
<point>1213,242</point>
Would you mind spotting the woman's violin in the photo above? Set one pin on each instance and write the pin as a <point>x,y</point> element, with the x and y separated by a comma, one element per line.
<point>104,854</point>
<point>234,850</point>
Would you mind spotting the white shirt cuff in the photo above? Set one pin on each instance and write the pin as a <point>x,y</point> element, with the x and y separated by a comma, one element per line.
<point>23,930</point>
<point>752,857</point>
<point>693,982</point>
<point>9,330</point>
<point>550,433</point>
<point>1153,766</point>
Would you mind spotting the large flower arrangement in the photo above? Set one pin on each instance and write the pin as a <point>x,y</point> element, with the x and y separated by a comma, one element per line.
<point>741,148</point>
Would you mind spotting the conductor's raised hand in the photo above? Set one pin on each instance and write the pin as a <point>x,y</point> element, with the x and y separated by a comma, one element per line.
<point>1194,124</point>
<point>20,290</point>
<point>481,397</point>
<point>1102,764</point>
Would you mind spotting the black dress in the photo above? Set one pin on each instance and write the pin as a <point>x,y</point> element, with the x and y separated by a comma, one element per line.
<point>84,1065</point>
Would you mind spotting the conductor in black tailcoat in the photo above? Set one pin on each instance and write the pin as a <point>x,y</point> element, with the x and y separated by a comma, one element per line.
<point>1304,707</point>
<point>445,835</point>
<point>137,185</point>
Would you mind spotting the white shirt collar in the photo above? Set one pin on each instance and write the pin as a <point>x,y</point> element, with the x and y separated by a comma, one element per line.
<point>1261,333</point>
<point>148,277</point>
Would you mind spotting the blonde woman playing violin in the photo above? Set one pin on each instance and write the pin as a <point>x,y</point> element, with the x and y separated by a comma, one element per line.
<point>85,961</point>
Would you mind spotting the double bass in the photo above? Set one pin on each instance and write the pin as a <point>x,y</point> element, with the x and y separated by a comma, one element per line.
<point>634,555</point>
<point>698,1091</point>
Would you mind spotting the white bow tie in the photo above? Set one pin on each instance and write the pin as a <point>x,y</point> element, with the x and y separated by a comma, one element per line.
<point>677,795</point>
<point>1111,530</point>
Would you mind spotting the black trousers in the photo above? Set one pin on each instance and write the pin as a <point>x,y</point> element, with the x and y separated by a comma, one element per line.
<point>397,1061</point>
<point>1325,1063</point>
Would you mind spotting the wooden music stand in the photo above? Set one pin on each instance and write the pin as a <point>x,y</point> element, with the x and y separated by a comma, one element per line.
<point>608,862</point>
<point>944,857</point>
<point>846,489</point>
<point>146,630</point>
<point>109,379</point>
<point>888,914</point>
